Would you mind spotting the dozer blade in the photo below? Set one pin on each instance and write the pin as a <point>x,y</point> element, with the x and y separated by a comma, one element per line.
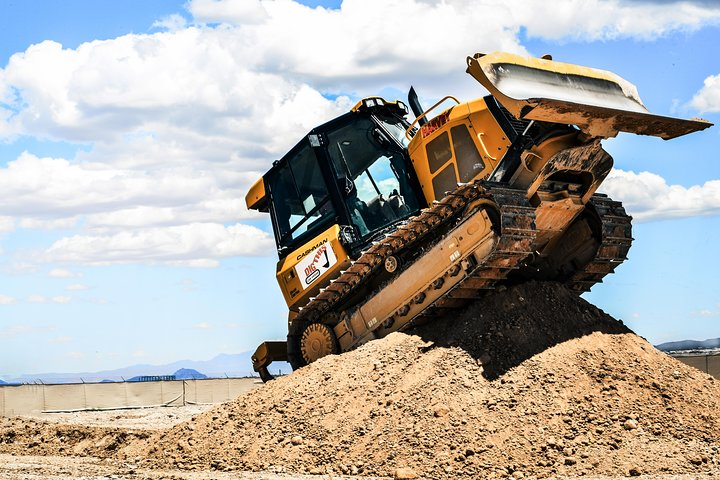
<point>267,353</point>
<point>599,102</point>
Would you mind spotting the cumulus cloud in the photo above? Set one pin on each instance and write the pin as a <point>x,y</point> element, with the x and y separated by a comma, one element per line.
<point>62,273</point>
<point>171,22</point>
<point>612,19</point>
<point>7,224</point>
<point>12,331</point>
<point>242,12</point>
<point>647,196</point>
<point>177,124</point>
<point>62,339</point>
<point>59,299</point>
<point>707,99</point>
<point>55,193</point>
<point>197,244</point>
<point>7,300</point>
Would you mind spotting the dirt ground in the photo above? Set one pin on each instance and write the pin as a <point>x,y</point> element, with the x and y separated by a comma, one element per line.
<point>532,382</point>
<point>151,418</point>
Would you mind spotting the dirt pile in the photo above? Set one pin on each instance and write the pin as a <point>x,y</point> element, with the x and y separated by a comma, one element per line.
<point>25,436</point>
<point>531,381</point>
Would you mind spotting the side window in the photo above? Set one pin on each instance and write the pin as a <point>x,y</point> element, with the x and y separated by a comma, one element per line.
<point>300,195</point>
<point>438,152</point>
<point>469,161</point>
<point>380,191</point>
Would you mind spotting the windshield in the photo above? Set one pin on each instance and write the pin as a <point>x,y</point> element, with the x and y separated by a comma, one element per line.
<point>377,185</point>
<point>395,127</point>
<point>300,196</point>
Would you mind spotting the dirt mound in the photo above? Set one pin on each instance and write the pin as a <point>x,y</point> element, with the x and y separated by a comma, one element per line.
<point>25,436</point>
<point>530,381</point>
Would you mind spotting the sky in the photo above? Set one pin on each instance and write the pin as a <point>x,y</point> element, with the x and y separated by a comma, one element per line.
<point>130,132</point>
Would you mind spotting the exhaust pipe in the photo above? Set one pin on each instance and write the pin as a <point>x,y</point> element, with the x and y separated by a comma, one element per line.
<point>415,106</point>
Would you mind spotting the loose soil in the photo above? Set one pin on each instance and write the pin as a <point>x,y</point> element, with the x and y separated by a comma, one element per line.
<point>531,381</point>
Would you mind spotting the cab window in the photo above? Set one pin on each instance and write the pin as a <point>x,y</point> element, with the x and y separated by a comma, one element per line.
<point>372,170</point>
<point>300,196</point>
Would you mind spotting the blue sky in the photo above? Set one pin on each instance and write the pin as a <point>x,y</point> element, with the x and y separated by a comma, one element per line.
<point>130,131</point>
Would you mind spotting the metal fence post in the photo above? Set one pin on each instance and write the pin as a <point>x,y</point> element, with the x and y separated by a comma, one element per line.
<point>707,367</point>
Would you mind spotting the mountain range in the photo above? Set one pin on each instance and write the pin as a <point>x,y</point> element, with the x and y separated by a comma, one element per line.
<point>710,344</point>
<point>235,365</point>
<point>221,366</point>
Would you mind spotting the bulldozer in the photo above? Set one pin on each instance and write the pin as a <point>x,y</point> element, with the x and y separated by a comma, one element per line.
<point>382,224</point>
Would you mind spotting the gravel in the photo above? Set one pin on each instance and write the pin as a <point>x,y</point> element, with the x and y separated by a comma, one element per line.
<point>529,382</point>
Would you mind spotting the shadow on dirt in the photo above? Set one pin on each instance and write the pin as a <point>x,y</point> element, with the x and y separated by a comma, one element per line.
<point>507,327</point>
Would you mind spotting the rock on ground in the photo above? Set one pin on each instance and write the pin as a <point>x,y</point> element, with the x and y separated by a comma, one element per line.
<point>531,381</point>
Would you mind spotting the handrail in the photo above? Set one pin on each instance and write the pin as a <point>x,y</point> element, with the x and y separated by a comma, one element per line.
<point>428,111</point>
<point>487,152</point>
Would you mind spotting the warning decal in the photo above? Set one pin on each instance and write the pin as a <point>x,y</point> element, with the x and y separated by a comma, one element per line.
<point>315,263</point>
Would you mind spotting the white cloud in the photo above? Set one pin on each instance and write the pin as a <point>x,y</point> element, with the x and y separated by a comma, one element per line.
<point>707,99</point>
<point>7,300</point>
<point>177,124</point>
<point>707,312</point>
<point>76,287</point>
<point>62,273</point>
<point>63,339</point>
<point>591,20</point>
<point>60,299</point>
<point>33,187</point>
<point>197,242</point>
<point>7,224</point>
<point>37,298</point>
<point>235,11</point>
<point>12,331</point>
<point>202,326</point>
<point>171,22</point>
<point>647,196</point>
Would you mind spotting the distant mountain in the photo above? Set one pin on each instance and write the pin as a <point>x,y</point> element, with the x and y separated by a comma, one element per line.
<point>221,366</point>
<point>189,374</point>
<point>709,344</point>
<point>3,382</point>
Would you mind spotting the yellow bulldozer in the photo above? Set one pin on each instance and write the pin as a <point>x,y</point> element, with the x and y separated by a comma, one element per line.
<point>382,223</point>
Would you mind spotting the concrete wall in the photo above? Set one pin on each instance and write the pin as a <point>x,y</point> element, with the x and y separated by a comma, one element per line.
<point>24,399</point>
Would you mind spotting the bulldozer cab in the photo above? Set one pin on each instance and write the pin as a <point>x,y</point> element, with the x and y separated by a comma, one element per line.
<point>340,187</point>
<point>353,172</point>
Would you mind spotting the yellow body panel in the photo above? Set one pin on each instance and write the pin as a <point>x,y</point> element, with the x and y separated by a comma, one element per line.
<point>302,273</point>
<point>256,199</point>
<point>488,141</point>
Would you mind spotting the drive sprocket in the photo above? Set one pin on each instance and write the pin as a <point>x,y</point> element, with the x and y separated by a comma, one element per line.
<point>317,341</point>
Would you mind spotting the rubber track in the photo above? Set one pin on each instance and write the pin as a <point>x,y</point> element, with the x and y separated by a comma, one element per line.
<point>418,230</point>
<point>613,250</point>
<point>515,244</point>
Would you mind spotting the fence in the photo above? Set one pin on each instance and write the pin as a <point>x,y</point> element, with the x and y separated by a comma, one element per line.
<point>709,364</point>
<point>26,399</point>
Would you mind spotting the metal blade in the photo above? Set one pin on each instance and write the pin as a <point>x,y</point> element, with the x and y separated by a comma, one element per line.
<point>599,102</point>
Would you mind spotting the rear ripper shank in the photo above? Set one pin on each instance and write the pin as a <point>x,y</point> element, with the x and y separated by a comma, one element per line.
<point>381,223</point>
